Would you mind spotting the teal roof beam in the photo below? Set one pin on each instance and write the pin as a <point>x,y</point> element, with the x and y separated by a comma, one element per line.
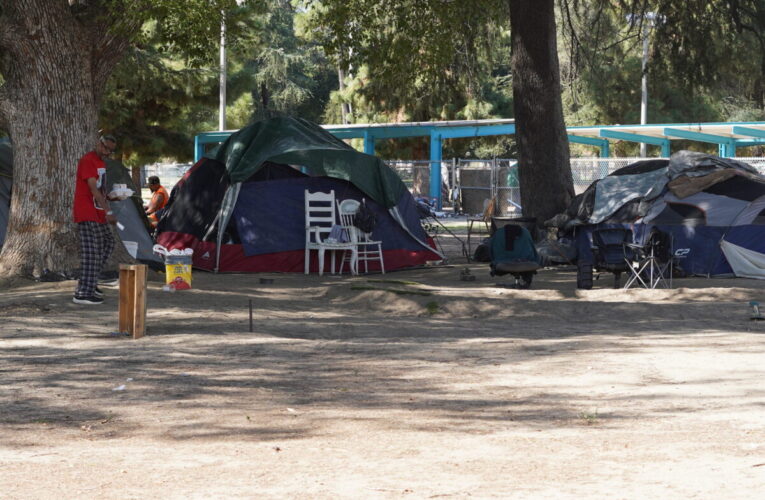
<point>348,134</point>
<point>450,132</point>
<point>476,131</point>
<point>630,137</point>
<point>648,139</point>
<point>726,146</point>
<point>752,132</point>
<point>380,132</point>
<point>209,137</point>
<point>698,136</point>
<point>742,143</point>
<point>605,150</point>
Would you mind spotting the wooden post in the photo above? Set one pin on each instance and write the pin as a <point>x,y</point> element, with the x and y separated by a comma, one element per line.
<point>132,312</point>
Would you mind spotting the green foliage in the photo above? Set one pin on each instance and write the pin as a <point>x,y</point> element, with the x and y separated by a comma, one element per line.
<point>413,59</point>
<point>147,104</point>
<point>286,74</point>
<point>417,61</point>
<point>691,74</point>
<point>158,99</point>
<point>189,29</point>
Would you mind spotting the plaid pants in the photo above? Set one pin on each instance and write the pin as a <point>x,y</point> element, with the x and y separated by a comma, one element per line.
<point>96,245</point>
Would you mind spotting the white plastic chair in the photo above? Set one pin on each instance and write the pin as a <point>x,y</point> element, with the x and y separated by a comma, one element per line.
<point>367,249</point>
<point>319,220</point>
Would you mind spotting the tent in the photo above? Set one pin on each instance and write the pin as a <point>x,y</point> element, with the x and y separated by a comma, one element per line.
<point>133,227</point>
<point>253,187</point>
<point>713,207</point>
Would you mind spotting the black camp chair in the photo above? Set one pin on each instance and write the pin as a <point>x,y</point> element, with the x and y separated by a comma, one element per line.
<point>512,252</point>
<point>611,251</point>
<point>652,261</point>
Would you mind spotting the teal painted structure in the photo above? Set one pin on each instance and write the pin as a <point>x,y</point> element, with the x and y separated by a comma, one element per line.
<point>727,136</point>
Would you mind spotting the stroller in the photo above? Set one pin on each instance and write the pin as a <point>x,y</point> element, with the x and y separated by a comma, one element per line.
<point>512,251</point>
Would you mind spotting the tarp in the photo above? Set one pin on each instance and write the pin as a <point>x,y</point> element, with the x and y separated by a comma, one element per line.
<point>713,207</point>
<point>294,141</point>
<point>614,191</point>
<point>746,263</point>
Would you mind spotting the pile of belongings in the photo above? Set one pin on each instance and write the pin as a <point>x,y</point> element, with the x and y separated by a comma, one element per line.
<point>713,207</point>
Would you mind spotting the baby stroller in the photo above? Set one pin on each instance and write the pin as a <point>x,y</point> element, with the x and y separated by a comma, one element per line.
<point>512,251</point>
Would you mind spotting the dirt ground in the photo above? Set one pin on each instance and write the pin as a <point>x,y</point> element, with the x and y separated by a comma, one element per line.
<point>441,388</point>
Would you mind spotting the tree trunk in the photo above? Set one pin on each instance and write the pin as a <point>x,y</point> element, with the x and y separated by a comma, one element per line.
<point>544,171</point>
<point>55,67</point>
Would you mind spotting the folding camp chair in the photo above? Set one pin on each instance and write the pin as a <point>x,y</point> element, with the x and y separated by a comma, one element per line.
<point>651,263</point>
<point>611,251</point>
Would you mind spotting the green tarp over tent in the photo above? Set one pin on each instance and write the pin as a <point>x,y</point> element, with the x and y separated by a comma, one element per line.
<point>294,141</point>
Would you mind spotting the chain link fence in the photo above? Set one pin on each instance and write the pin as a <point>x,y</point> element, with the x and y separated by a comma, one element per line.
<point>585,171</point>
<point>169,173</point>
<point>467,185</point>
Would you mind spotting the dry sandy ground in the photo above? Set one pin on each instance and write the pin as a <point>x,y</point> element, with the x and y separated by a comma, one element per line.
<point>466,390</point>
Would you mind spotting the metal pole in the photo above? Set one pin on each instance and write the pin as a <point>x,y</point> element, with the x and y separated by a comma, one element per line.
<point>455,190</point>
<point>222,95</point>
<point>341,85</point>
<point>644,86</point>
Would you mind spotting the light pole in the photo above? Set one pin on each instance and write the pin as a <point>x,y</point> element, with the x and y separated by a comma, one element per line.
<point>649,21</point>
<point>223,70</point>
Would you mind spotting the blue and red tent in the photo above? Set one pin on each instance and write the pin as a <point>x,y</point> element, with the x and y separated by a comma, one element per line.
<point>253,187</point>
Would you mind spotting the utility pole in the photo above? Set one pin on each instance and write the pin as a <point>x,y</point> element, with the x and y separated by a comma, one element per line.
<point>644,84</point>
<point>648,21</point>
<point>223,70</point>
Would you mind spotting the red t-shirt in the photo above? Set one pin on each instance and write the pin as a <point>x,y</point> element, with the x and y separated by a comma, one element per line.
<point>85,206</point>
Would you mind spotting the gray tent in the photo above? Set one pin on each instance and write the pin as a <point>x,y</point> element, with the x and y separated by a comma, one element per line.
<point>133,227</point>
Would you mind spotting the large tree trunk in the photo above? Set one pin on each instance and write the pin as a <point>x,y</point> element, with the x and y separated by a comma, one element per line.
<point>55,67</point>
<point>544,171</point>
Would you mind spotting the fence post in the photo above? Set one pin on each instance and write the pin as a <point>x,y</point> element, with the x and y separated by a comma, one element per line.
<point>132,309</point>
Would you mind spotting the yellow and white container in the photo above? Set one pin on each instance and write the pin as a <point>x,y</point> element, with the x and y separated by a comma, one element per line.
<point>177,267</point>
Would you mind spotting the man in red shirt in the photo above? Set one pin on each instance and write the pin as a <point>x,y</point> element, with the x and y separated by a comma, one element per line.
<point>93,216</point>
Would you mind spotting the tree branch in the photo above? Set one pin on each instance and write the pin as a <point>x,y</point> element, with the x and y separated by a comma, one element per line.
<point>110,33</point>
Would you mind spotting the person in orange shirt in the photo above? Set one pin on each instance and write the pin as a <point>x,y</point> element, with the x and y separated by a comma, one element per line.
<point>159,199</point>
